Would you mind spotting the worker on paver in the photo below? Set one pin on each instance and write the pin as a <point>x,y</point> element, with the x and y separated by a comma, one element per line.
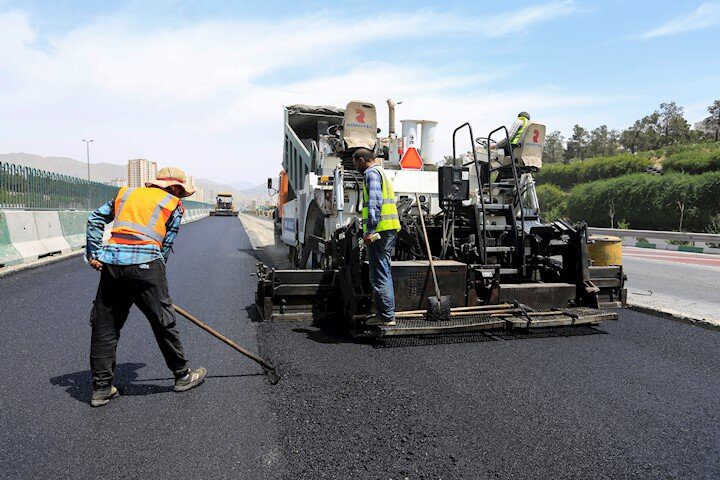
<point>132,266</point>
<point>380,226</point>
<point>516,130</point>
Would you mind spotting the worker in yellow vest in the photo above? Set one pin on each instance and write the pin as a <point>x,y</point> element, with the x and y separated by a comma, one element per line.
<point>132,270</point>
<point>380,226</point>
<point>516,130</point>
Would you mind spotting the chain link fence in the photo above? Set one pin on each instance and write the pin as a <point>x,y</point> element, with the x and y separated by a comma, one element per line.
<point>32,189</point>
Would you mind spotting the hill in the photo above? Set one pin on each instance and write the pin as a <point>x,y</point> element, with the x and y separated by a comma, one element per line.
<point>105,172</point>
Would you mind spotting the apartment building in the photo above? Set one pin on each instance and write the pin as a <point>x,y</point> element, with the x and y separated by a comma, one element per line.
<point>141,171</point>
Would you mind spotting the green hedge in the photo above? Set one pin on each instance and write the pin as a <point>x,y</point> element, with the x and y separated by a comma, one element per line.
<point>697,160</point>
<point>553,202</point>
<point>567,175</point>
<point>648,201</point>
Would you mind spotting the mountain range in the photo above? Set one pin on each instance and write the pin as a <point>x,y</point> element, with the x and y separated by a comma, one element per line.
<point>243,192</point>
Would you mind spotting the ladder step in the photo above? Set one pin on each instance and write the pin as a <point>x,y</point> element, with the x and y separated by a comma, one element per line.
<point>498,228</point>
<point>500,249</point>
<point>497,206</point>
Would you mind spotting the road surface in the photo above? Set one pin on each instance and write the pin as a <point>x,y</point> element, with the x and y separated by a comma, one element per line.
<point>682,282</point>
<point>635,398</point>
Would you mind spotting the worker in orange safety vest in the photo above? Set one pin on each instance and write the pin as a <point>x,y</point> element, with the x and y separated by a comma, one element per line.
<point>132,271</point>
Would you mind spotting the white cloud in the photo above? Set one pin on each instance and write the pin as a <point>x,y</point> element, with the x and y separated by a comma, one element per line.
<point>208,97</point>
<point>518,21</point>
<point>705,16</point>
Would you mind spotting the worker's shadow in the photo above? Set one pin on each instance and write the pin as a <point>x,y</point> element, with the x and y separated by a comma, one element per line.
<point>79,384</point>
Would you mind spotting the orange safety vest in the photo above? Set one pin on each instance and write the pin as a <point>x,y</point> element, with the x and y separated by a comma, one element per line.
<point>141,215</point>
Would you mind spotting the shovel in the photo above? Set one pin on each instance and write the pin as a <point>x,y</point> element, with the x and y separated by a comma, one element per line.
<point>267,368</point>
<point>439,305</point>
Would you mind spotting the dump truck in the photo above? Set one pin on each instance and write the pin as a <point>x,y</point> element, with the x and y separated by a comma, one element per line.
<point>500,264</point>
<point>224,205</point>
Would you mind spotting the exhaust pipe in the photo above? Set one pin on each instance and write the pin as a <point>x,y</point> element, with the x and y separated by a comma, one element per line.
<point>391,120</point>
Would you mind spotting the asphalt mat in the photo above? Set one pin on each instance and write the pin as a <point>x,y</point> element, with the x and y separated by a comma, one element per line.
<point>635,398</point>
<point>222,429</point>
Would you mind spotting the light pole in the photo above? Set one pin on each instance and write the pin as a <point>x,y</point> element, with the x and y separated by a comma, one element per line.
<point>87,148</point>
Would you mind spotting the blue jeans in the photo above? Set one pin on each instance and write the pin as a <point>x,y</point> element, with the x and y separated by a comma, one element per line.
<point>381,275</point>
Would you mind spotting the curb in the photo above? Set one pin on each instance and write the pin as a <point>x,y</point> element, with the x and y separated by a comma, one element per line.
<point>675,316</point>
<point>674,248</point>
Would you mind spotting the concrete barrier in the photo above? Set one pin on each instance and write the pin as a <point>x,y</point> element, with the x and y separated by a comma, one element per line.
<point>8,254</point>
<point>50,233</point>
<point>74,225</point>
<point>26,236</point>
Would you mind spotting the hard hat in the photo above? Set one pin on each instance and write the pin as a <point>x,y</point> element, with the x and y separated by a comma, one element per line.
<point>168,176</point>
<point>524,114</point>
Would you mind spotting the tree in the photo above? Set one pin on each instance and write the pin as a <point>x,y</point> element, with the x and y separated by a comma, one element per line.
<point>577,146</point>
<point>554,148</point>
<point>713,122</point>
<point>611,212</point>
<point>674,126</point>
<point>603,142</point>
<point>645,134</point>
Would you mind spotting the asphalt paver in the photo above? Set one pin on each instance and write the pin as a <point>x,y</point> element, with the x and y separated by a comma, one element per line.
<point>635,398</point>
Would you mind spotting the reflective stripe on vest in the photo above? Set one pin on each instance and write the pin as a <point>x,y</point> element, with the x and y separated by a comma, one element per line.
<point>131,226</point>
<point>522,129</point>
<point>389,219</point>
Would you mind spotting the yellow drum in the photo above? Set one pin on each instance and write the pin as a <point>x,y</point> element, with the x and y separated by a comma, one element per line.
<point>604,250</point>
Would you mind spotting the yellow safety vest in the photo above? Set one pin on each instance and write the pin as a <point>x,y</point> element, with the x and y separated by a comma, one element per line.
<point>522,129</point>
<point>141,215</point>
<point>389,219</point>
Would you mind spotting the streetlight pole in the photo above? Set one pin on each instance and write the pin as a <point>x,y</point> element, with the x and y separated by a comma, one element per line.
<point>87,147</point>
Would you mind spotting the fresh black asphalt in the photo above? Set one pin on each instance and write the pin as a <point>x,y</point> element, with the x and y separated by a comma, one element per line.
<point>637,398</point>
<point>223,429</point>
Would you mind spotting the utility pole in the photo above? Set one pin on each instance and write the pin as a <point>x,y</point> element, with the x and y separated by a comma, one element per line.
<point>87,148</point>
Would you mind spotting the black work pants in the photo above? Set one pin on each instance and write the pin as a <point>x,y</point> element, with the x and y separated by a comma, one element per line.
<point>146,286</point>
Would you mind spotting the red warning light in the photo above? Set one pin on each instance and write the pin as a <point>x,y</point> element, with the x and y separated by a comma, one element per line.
<point>411,160</point>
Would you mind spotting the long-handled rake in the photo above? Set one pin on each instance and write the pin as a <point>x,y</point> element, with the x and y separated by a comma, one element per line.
<point>267,368</point>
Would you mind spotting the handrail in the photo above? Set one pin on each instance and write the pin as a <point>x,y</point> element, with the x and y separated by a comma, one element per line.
<point>520,258</point>
<point>657,234</point>
<point>480,186</point>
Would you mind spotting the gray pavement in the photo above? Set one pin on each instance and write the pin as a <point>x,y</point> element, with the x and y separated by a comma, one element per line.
<point>684,289</point>
<point>635,398</point>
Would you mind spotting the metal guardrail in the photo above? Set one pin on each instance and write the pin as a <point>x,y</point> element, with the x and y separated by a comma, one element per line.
<point>191,204</point>
<point>28,188</point>
<point>658,235</point>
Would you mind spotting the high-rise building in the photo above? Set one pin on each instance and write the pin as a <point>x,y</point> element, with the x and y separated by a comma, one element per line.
<point>198,195</point>
<point>141,171</point>
<point>118,182</point>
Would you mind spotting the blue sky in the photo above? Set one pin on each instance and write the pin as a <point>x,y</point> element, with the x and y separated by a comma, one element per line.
<point>201,84</point>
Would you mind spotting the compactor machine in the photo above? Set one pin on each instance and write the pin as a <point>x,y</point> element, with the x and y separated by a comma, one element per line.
<point>500,264</point>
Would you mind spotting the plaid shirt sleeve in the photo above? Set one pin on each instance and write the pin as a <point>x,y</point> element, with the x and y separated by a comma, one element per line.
<point>96,226</point>
<point>172,226</point>
<point>513,131</point>
<point>373,183</point>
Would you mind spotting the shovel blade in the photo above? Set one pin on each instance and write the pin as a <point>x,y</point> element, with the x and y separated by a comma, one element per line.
<point>439,308</point>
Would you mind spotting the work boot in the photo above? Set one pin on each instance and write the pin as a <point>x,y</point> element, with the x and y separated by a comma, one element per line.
<point>103,397</point>
<point>192,378</point>
<point>379,321</point>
